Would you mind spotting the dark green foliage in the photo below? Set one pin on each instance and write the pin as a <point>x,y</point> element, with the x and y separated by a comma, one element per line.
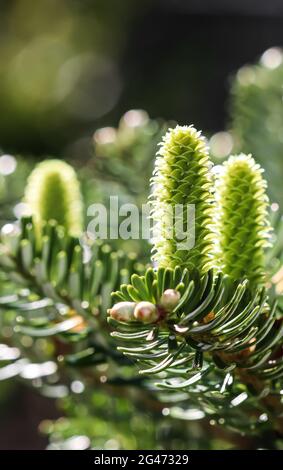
<point>214,315</point>
<point>61,286</point>
<point>215,346</point>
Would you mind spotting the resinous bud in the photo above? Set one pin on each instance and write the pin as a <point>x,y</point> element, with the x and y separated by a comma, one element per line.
<point>169,299</point>
<point>123,311</point>
<point>146,312</point>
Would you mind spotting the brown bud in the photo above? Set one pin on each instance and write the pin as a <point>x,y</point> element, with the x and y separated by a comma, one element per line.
<point>146,312</point>
<point>208,318</point>
<point>123,311</point>
<point>169,299</point>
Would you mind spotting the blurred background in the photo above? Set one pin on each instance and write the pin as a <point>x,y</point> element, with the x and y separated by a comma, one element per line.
<point>72,67</point>
<point>69,67</point>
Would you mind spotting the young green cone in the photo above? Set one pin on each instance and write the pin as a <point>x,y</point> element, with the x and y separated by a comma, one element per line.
<point>182,179</point>
<point>53,193</point>
<point>242,219</point>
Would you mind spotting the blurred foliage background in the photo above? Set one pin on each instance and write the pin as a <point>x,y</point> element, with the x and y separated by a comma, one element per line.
<point>68,71</point>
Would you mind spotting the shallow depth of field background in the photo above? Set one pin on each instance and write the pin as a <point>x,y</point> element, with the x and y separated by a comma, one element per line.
<point>69,67</point>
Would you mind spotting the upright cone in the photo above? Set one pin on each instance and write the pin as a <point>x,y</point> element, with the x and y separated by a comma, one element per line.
<point>53,193</point>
